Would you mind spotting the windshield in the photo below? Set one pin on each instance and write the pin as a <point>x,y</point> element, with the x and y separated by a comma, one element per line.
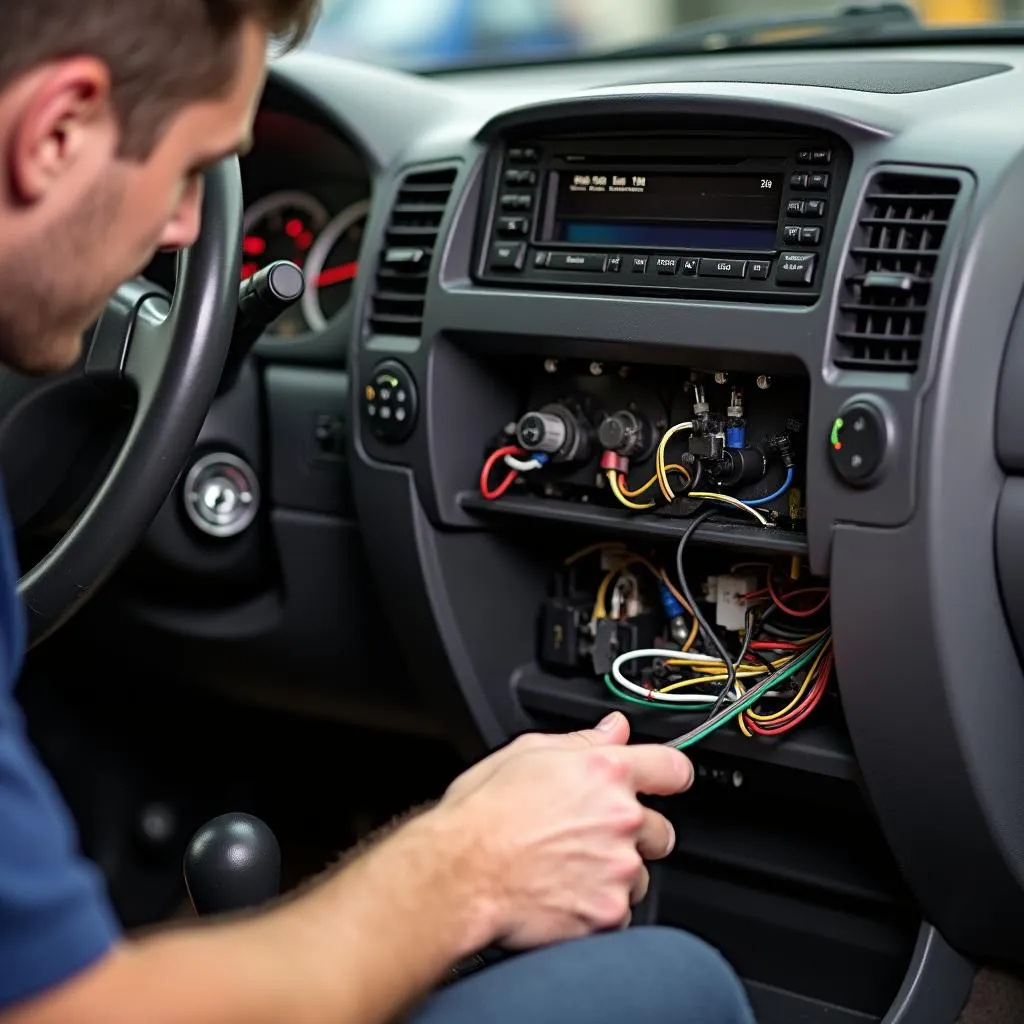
<point>424,34</point>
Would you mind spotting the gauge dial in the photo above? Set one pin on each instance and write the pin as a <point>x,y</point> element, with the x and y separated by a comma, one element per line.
<point>282,226</point>
<point>332,265</point>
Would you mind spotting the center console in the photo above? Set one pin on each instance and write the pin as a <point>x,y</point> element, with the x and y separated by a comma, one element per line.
<point>647,395</point>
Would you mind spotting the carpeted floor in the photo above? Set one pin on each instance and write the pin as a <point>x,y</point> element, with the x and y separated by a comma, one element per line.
<point>997,998</point>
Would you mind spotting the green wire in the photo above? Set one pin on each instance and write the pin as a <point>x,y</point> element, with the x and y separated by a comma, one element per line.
<point>734,710</point>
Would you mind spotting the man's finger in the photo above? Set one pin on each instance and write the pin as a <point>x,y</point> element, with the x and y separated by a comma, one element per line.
<point>611,731</point>
<point>640,886</point>
<point>657,837</point>
<point>657,770</point>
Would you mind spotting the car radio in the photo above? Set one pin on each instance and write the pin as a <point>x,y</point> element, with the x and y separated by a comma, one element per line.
<point>743,216</point>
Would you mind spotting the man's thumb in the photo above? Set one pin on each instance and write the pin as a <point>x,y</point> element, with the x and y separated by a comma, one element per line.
<point>612,730</point>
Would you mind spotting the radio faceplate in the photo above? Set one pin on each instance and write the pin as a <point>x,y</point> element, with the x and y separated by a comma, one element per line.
<point>706,213</point>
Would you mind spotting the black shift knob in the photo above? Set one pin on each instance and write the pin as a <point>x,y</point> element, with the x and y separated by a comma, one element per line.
<point>233,862</point>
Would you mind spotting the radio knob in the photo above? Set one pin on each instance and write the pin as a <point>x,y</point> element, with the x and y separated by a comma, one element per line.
<point>623,433</point>
<point>542,432</point>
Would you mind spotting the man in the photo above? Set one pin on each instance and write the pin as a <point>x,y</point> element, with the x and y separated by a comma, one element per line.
<point>110,110</point>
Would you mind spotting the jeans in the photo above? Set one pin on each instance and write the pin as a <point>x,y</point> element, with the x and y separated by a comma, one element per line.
<point>640,976</point>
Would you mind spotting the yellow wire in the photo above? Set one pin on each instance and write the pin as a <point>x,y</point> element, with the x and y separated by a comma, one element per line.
<point>729,500</point>
<point>776,715</point>
<point>594,548</point>
<point>613,480</point>
<point>659,461</point>
<point>600,611</point>
<point>682,470</point>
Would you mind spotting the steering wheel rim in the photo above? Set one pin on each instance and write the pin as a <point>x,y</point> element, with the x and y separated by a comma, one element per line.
<point>174,353</point>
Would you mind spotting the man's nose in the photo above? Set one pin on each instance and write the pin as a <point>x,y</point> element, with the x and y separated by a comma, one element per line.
<point>183,229</point>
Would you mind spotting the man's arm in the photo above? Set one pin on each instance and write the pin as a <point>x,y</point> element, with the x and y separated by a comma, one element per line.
<point>543,842</point>
<point>359,947</point>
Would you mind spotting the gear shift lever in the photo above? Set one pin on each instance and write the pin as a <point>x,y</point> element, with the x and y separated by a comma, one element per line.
<point>232,862</point>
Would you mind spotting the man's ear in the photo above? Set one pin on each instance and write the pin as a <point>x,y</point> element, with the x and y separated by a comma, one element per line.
<point>66,113</point>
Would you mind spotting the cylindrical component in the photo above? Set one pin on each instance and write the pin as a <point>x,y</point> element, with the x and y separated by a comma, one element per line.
<point>739,466</point>
<point>221,495</point>
<point>622,433</point>
<point>614,462</point>
<point>736,435</point>
<point>542,432</point>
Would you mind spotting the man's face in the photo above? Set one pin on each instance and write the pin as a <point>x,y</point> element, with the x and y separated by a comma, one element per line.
<point>78,219</point>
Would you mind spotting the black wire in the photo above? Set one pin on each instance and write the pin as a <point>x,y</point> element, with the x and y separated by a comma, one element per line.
<point>709,634</point>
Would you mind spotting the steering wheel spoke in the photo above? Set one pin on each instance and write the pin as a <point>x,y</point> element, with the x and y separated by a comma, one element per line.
<point>132,339</point>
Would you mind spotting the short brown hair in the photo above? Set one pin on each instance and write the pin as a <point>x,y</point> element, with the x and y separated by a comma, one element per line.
<point>162,54</point>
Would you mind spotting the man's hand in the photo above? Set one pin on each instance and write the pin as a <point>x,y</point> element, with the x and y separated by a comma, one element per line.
<point>558,834</point>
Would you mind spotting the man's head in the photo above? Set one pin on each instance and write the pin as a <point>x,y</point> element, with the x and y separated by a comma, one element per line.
<point>110,110</point>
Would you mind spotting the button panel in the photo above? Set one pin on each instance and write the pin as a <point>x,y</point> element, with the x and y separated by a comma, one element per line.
<point>858,443</point>
<point>389,402</point>
<point>522,244</point>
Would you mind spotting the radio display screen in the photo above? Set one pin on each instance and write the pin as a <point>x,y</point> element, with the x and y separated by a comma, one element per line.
<point>700,211</point>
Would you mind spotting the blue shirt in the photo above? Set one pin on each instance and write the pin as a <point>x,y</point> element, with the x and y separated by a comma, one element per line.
<point>55,919</point>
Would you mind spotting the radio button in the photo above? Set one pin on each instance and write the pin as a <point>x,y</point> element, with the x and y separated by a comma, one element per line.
<point>760,269</point>
<point>805,156</point>
<point>638,265</point>
<point>666,264</point>
<point>819,182</point>
<point>523,155</point>
<point>507,256</point>
<point>821,156</point>
<point>809,236</point>
<point>689,267</point>
<point>516,201</point>
<point>796,207</point>
<point>815,208</point>
<point>540,259</point>
<point>791,234</point>
<point>798,181</point>
<point>723,268</point>
<point>514,225</point>
<point>796,268</point>
<point>614,265</point>
<point>590,261</point>
<point>520,176</point>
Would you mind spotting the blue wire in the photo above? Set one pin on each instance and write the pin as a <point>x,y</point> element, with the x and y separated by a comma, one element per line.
<point>773,497</point>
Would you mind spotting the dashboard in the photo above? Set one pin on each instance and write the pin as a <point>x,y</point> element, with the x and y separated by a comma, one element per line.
<point>780,288</point>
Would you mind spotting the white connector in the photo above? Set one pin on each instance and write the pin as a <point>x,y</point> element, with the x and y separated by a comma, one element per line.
<point>731,600</point>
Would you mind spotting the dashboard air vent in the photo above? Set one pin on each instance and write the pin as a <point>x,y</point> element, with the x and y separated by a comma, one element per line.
<point>887,288</point>
<point>401,286</point>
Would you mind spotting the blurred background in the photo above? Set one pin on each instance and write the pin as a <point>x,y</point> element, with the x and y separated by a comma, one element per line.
<point>431,33</point>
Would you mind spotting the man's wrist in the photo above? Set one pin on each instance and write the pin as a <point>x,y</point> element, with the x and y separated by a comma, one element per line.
<point>446,863</point>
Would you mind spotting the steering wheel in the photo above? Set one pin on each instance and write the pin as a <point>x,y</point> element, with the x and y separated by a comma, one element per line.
<point>172,351</point>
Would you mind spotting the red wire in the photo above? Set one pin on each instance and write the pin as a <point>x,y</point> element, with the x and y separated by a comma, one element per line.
<point>798,613</point>
<point>492,494</point>
<point>799,714</point>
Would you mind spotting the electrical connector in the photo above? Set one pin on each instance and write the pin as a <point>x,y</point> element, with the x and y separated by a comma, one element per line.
<point>783,444</point>
<point>674,612</point>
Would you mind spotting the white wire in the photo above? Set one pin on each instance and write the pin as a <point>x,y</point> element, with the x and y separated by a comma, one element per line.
<point>670,698</point>
<point>522,467</point>
<point>666,698</point>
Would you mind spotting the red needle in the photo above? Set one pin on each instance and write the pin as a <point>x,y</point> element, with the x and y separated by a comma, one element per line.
<point>335,275</point>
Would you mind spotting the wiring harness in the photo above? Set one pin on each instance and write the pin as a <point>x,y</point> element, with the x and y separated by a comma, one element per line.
<point>770,685</point>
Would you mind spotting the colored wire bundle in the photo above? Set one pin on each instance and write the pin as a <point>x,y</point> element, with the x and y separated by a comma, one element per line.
<point>514,463</point>
<point>620,487</point>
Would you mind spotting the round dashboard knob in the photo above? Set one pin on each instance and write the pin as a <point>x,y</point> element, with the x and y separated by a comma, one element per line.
<point>542,432</point>
<point>221,495</point>
<point>859,442</point>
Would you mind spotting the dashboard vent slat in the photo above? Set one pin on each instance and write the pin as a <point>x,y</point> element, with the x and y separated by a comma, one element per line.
<point>891,265</point>
<point>403,272</point>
